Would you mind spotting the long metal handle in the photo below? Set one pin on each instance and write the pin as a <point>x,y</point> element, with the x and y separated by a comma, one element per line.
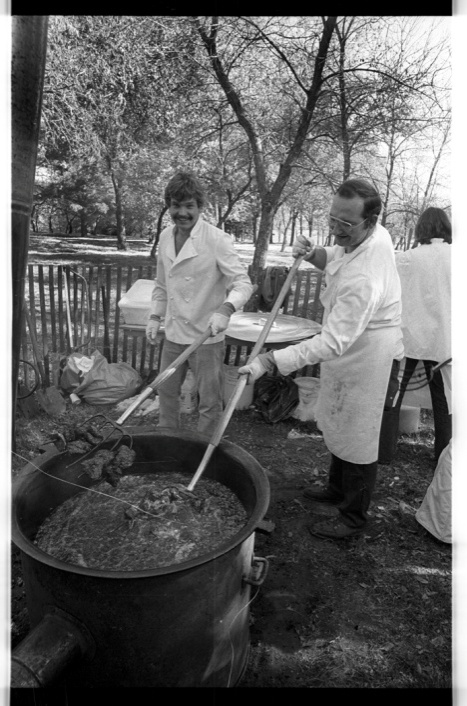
<point>164,375</point>
<point>240,385</point>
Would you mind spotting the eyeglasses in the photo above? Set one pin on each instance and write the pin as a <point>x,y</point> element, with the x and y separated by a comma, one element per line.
<point>343,225</point>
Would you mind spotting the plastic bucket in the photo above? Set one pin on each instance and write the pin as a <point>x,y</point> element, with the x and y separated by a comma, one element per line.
<point>230,381</point>
<point>308,390</point>
<point>409,419</point>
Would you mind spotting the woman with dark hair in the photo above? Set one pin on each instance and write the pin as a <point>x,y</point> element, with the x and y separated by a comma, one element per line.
<point>433,223</point>
<point>425,274</point>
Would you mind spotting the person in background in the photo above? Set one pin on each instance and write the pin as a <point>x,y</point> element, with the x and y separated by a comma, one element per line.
<point>425,275</point>
<point>359,347</point>
<point>200,282</point>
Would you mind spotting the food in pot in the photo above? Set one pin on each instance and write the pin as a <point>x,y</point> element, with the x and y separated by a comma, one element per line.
<point>145,522</point>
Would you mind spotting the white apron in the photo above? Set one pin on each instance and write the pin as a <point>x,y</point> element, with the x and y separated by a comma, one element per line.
<point>358,342</point>
<point>354,387</point>
<point>352,393</point>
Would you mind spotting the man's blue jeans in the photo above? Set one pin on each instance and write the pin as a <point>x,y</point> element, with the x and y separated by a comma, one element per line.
<point>206,363</point>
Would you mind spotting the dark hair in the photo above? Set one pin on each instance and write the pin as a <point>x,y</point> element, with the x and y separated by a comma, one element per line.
<point>182,186</point>
<point>433,223</point>
<point>366,191</point>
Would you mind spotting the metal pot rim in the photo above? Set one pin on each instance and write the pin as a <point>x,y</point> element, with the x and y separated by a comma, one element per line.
<point>263,496</point>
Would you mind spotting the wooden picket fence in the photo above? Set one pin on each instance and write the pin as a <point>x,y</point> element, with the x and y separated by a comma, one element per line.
<point>96,321</point>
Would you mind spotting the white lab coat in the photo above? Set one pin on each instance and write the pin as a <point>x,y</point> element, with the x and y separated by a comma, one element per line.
<point>192,285</point>
<point>425,275</point>
<point>357,344</point>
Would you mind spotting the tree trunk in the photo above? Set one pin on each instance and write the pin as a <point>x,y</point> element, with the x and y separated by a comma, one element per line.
<point>264,234</point>
<point>284,239</point>
<point>294,224</point>
<point>343,112</point>
<point>82,223</point>
<point>255,227</point>
<point>158,233</point>
<point>270,197</point>
<point>121,234</point>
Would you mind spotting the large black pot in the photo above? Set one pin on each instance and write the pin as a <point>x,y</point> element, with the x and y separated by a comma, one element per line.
<point>181,626</point>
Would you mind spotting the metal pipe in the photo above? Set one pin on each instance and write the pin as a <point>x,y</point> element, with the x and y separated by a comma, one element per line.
<point>52,646</point>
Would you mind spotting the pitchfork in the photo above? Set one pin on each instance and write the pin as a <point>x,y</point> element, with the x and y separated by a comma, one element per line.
<point>116,426</point>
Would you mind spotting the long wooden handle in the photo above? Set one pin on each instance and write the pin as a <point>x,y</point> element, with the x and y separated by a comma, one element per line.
<point>240,385</point>
<point>68,315</point>
<point>164,375</point>
<point>35,346</point>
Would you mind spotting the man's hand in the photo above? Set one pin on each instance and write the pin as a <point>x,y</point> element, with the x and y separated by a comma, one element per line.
<point>303,246</point>
<point>263,363</point>
<point>152,327</point>
<point>218,323</point>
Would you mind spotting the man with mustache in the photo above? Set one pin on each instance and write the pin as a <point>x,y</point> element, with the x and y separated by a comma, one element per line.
<point>200,282</point>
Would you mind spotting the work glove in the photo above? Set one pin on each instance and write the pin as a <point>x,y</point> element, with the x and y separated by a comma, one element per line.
<point>303,246</point>
<point>152,327</point>
<point>218,323</point>
<point>263,363</point>
<point>220,320</point>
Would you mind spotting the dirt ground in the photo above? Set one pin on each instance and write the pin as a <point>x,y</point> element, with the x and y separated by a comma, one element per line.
<point>367,612</point>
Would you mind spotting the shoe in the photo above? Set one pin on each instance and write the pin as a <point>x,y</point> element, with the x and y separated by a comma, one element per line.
<point>314,492</point>
<point>333,529</point>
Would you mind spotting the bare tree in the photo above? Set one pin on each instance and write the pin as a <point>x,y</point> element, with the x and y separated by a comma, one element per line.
<point>270,192</point>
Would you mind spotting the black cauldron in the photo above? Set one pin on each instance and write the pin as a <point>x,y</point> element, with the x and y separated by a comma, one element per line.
<point>185,625</point>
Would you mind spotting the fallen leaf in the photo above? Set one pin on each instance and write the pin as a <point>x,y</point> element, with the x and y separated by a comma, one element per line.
<point>320,643</point>
<point>387,647</point>
<point>438,641</point>
<point>420,579</point>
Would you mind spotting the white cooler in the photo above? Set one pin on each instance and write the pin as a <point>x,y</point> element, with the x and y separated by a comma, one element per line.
<point>135,305</point>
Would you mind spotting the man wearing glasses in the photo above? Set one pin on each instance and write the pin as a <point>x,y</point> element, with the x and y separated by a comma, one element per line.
<point>359,340</point>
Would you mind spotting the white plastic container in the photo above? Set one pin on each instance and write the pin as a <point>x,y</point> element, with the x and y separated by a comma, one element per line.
<point>135,305</point>
<point>230,382</point>
<point>409,419</point>
<point>308,389</point>
<point>189,394</point>
<point>420,397</point>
